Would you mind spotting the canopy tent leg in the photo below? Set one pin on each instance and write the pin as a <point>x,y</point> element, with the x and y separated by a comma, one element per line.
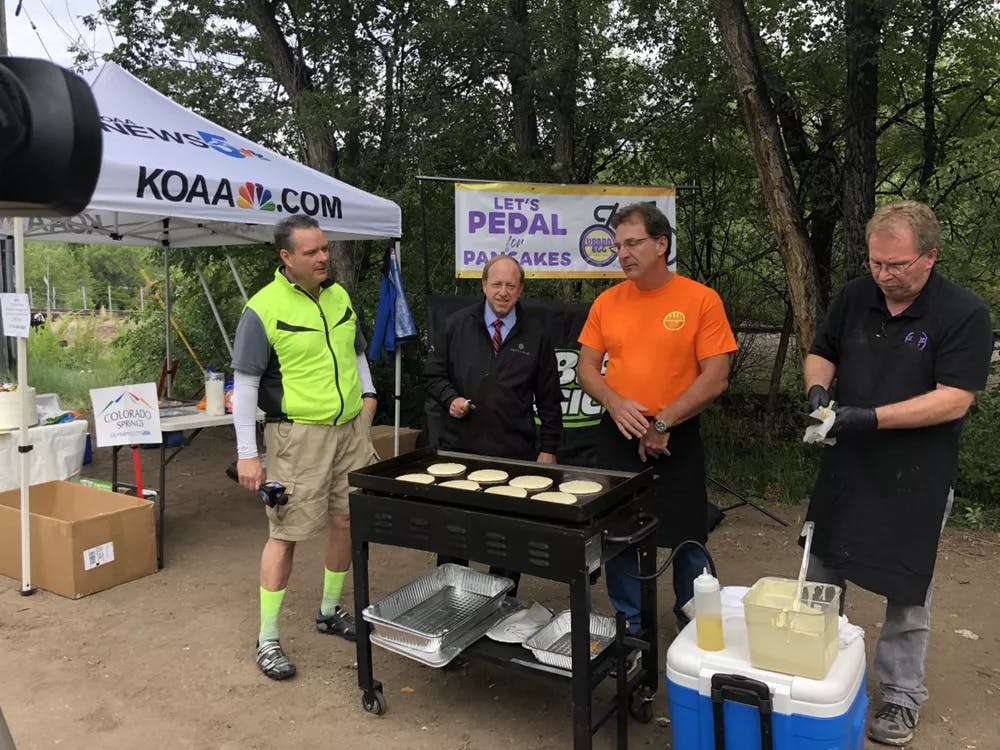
<point>166,300</point>
<point>215,310</point>
<point>239,281</point>
<point>24,446</point>
<point>397,395</point>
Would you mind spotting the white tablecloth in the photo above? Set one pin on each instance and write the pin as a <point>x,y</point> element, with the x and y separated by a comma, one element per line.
<point>57,454</point>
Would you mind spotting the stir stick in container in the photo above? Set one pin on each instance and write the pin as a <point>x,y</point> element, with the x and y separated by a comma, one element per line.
<point>807,532</point>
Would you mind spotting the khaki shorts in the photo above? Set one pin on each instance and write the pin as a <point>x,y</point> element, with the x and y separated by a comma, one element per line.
<point>312,461</point>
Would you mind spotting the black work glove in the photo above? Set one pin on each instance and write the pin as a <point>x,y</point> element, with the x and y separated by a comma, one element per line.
<point>818,396</point>
<point>852,420</point>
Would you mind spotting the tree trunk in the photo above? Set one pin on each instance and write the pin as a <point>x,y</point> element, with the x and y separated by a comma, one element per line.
<point>563,163</point>
<point>519,69</point>
<point>826,186</point>
<point>347,163</point>
<point>318,143</point>
<point>935,32</point>
<point>819,182</point>
<point>295,76</point>
<point>863,27</point>
<point>772,165</point>
<point>779,364</point>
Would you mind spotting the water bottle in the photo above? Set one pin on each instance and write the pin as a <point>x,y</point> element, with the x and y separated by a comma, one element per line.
<point>708,612</point>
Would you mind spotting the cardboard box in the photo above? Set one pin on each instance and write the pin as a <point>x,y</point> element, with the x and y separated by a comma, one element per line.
<point>83,539</point>
<point>382,437</point>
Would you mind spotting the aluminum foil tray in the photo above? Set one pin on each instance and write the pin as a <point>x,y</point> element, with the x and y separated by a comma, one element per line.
<point>551,645</point>
<point>472,634</point>
<point>435,610</point>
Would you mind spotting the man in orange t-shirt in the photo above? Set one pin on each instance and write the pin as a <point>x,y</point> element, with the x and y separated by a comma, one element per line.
<point>668,343</point>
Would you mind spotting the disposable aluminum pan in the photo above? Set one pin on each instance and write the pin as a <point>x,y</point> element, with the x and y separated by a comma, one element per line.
<point>552,644</point>
<point>438,608</point>
<point>443,657</point>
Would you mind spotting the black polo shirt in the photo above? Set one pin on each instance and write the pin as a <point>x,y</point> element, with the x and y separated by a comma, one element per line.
<point>880,497</point>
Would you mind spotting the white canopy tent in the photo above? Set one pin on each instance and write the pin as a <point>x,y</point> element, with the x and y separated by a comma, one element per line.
<point>172,178</point>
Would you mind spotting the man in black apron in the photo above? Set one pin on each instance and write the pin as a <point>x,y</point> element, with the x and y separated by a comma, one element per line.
<point>908,349</point>
<point>668,344</point>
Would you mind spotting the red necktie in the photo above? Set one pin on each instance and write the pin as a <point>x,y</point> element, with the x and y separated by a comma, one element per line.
<point>497,338</point>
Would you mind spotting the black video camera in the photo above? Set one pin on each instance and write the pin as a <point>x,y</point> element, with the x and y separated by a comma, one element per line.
<point>50,139</point>
<point>273,494</point>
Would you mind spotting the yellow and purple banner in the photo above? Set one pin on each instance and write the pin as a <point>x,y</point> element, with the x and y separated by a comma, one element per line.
<point>554,231</point>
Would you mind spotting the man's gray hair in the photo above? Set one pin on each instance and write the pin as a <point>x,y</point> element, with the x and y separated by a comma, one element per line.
<point>916,215</point>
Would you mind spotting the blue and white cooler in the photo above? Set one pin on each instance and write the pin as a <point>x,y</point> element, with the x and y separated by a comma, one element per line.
<point>718,701</point>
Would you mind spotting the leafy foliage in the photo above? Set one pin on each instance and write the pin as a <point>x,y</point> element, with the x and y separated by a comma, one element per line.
<point>978,468</point>
<point>84,272</point>
<point>377,93</point>
<point>68,357</point>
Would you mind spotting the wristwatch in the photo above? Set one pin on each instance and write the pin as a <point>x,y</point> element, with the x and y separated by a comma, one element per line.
<point>661,427</point>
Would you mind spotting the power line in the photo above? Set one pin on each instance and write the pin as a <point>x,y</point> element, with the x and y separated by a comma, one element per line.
<point>104,20</point>
<point>17,12</point>
<point>58,25</point>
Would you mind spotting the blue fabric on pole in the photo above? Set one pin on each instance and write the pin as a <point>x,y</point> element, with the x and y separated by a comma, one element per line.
<point>393,320</point>
<point>406,330</point>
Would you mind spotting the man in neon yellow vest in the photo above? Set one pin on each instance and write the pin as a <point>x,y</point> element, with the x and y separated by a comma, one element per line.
<point>299,357</point>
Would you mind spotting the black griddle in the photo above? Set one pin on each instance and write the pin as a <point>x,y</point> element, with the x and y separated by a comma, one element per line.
<point>618,486</point>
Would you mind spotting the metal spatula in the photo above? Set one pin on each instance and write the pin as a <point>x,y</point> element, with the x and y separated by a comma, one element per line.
<point>482,391</point>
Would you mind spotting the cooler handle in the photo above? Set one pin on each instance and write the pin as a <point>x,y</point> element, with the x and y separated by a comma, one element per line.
<point>744,690</point>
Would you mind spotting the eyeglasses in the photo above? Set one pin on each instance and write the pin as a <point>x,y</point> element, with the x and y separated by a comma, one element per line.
<point>631,244</point>
<point>893,269</point>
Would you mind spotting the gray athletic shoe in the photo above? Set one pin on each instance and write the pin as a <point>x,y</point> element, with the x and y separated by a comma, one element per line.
<point>893,724</point>
<point>273,662</point>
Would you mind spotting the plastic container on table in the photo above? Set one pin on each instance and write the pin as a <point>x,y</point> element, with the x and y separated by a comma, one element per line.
<point>793,631</point>
<point>797,713</point>
<point>215,399</point>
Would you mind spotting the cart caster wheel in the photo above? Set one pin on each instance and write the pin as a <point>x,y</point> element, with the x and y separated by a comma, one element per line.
<point>641,705</point>
<point>374,702</point>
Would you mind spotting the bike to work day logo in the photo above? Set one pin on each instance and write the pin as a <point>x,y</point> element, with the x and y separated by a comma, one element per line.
<point>597,242</point>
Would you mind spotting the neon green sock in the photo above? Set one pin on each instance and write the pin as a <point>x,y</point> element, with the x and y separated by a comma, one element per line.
<point>270,607</point>
<point>333,584</point>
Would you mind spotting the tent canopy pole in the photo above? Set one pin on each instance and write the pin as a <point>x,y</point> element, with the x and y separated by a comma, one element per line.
<point>24,441</point>
<point>168,385</point>
<point>215,311</point>
<point>399,374</point>
<point>239,281</point>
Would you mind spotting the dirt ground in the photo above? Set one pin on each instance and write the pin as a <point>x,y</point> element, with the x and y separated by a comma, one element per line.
<point>166,661</point>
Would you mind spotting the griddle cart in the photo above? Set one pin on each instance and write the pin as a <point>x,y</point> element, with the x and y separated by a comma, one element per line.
<point>565,543</point>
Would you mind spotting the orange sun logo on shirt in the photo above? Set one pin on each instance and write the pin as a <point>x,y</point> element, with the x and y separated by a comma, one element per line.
<point>674,321</point>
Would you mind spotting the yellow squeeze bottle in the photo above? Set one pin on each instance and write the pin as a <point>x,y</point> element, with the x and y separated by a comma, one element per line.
<point>708,612</point>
